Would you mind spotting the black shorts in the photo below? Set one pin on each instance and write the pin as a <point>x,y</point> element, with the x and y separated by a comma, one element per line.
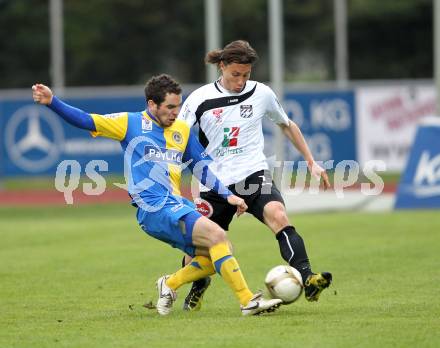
<point>257,190</point>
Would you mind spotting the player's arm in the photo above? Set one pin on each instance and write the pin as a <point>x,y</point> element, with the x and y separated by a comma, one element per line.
<point>291,130</point>
<point>76,117</point>
<point>110,126</point>
<point>198,162</point>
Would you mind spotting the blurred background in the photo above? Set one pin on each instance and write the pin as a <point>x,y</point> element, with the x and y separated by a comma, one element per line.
<point>356,75</point>
<point>124,42</point>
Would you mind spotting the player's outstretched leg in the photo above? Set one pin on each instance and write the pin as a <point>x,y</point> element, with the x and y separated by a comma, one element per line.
<point>199,267</point>
<point>167,296</point>
<point>211,237</point>
<point>227,266</point>
<point>293,250</point>
<point>314,285</point>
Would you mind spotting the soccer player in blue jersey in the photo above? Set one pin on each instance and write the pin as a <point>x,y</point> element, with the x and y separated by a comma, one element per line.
<point>155,146</point>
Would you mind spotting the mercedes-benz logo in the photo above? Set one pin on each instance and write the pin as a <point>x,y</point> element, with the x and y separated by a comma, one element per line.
<point>33,139</point>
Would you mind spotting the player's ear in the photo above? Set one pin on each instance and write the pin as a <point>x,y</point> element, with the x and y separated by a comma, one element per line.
<point>151,104</point>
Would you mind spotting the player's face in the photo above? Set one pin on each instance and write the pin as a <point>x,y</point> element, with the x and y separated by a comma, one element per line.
<point>234,76</point>
<point>166,113</point>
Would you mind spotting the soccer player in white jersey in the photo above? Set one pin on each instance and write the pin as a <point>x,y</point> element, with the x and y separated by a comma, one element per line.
<point>229,113</point>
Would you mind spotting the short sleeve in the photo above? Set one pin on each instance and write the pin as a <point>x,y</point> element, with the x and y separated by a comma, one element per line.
<point>188,111</point>
<point>274,110</point>
<point>113,126</point>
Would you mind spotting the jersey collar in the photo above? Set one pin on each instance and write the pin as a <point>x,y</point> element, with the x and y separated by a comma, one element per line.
<point>222,89</point>
<point>217,86</point>
<point>146,113</point>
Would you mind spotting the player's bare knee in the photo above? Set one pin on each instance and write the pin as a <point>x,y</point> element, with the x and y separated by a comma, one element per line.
<point>216,235</point>
<point>219,236</point>
<point>280,217</point>
<point>275,216</point>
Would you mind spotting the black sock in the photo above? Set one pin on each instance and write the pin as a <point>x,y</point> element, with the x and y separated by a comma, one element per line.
<point>293,250</point>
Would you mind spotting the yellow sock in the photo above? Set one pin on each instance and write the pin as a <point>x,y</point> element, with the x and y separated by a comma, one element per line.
<point>199,267</point>
<point>227,266</point>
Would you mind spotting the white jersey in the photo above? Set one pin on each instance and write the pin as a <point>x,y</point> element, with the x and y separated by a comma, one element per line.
<point>230,126</point>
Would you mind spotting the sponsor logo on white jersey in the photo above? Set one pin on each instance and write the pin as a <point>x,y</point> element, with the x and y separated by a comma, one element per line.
<point>230,136</point>
<point>229,144</point>
<point>218,116</point>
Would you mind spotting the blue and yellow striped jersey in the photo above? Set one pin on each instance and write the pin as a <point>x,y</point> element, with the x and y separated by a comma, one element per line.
<point>154,156</point>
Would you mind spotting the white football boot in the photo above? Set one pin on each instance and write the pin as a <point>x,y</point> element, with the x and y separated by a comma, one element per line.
<point>258,305</point>
<point>167,296</point>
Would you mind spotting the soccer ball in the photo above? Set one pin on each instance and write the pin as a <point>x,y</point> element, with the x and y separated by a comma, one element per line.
<point>284,282</point>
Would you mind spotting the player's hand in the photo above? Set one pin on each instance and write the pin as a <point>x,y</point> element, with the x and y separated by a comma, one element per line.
<point>42,94</point>
<point>239,203</point>
<point>318,172</point>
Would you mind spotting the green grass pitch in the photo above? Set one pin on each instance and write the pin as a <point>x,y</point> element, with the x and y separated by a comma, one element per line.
<point>78,277</point>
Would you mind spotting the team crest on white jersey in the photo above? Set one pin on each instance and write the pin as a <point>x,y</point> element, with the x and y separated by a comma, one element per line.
<point>246,111</point>
<point>147,125</point>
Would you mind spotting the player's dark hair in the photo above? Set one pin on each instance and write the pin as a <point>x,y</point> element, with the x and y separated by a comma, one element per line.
<point>158,86</point>
<point>240,52</point>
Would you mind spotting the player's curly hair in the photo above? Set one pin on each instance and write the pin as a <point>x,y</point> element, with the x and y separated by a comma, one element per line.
<point>158,86</point>
<point>239,51</point>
